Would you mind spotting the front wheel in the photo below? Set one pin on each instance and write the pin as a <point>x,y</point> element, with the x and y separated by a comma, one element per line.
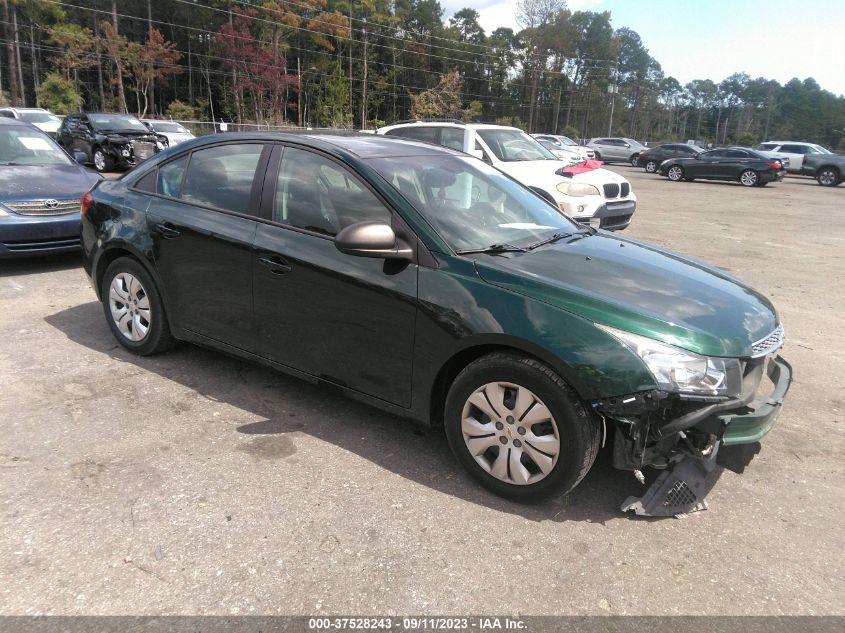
<point>675,173</point>
<point>133,308</point>
<point>518,428</point>
<point>749,178</point>
<point>651,166</point>
<point>828,177</point>
<point>102,162</point>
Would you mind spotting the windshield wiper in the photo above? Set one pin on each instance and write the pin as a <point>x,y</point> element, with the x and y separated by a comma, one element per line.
<point>553,238</point>
<point>495,248</point>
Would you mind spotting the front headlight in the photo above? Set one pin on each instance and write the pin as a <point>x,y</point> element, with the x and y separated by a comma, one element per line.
<point>681,371</point>
<point>577,189</point>
<point>3,211</point>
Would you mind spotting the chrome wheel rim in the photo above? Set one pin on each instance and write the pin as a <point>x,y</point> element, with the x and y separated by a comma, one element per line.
<point>130,307</point>
<point>675,173</point>
<point>748,178</point>
<point>650,166</point>
<point>635,161</point>
<point>510,433</point>
<point>827,177</point>
<point>99,160</point>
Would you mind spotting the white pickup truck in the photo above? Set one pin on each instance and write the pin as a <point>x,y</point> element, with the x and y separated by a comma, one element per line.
<point>599,197</point>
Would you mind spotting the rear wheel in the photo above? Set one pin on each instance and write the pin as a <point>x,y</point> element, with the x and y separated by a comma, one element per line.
<point>651,166</point>
<point>749,178</point>
<point>634,160</point>
<point>828,177</point>
<point>133,308</point>
<point>518,428</point>
<point>675,173</point>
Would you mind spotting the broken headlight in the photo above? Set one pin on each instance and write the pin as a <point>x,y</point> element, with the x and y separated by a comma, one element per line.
<point>681,371</point>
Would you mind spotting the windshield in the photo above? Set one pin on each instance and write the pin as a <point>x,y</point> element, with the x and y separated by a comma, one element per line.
<point>633,143</point>
<point>514,145</point>
<point>21,146</point>
<point>39,117</point>
<point>115,122</point>
<point>567,141</point>
<point>168,126</point>
<point>470,204</point>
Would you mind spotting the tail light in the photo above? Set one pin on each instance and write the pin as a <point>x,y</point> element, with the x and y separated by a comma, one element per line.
<point>85,204</point>
<point>775,164</point>
<point>644,152</point>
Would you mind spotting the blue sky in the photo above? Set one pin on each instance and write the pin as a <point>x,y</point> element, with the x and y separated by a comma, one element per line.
<point>698,39</point>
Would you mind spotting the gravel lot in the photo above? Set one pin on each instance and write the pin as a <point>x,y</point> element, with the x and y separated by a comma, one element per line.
<point>194,483</point>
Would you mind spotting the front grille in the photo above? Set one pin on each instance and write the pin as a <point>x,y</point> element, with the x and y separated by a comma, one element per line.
<point>611,190</point>
<point>44,207</point>
<point>626,189</point>
<point>143,150</point>
<point>769,344</point>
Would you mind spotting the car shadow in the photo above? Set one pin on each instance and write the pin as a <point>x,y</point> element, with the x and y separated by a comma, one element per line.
<point>39,264</point>
<point>289,405</point>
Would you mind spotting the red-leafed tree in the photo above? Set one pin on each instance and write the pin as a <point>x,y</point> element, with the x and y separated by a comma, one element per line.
<point>258,75</point>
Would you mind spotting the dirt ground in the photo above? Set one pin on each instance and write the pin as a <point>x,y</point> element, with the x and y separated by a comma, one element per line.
<point>194,483</point>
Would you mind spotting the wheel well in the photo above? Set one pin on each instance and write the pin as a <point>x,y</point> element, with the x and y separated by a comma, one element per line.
<point>833,167</point>
<point>107,258</point>
<point>450,370</point>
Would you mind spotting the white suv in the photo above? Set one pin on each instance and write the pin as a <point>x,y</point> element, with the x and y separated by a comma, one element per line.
<point>600,198</point>
<point>43,119</point>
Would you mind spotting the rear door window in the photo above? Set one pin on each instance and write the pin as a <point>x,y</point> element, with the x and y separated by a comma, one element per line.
<point>170,177</point>
<point>793,149</point>
<point>452,137</point>
<point>427,134</point>
<point>222,176</point>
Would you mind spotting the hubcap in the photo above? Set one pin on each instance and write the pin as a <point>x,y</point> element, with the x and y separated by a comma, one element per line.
<point>99,160</point>
<point>675,173</point>
<point>827,177</point>
<point>748,177</point>
<point>510,433</point>
<point>650,166</point>
<point>130,306</point>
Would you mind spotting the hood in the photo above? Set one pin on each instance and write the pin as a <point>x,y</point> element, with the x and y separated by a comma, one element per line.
<point>639,288</point>
<point>124,136</point>
<point>53,181</point>
<point>176,137</point>
<point>48,126</point>
<point>541,173</point>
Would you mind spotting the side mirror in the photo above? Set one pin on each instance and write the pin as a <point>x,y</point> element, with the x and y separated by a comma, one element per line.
<point>478,153</point>
<point>79,156</point>
<point>372,239</point>
<point>627,145</point>
<point>698,156</point>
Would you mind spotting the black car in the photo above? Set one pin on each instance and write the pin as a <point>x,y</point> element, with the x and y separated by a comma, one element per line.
<point>428,283</point>
<point>40,192</point>
<point>109,140</point>
<point>651,158</point>
<point>743,165</point>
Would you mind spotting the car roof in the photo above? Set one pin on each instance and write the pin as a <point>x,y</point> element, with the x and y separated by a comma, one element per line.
<point>354,144</point>
<point>19,123</point>
<point>474,126</point>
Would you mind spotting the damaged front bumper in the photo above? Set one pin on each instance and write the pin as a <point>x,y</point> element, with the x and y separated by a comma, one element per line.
<point>690,445</point>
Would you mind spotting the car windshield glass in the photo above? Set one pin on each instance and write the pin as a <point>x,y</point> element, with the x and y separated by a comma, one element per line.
<point>168,126</point>
<point>567,141</point>
<point>470,204</point>
<point>513,145</point>
<point>116,122</point>
<point>39,117</point>
<point>21,146</point>
<point>765,147</point>
<point>633,143</point>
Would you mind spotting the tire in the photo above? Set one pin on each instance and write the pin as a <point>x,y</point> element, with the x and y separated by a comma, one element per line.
<point>651,166</point>
<point>828,177</point>
<point>562,427</point>
<point>634,160</point>
<point>146,331</point>
<point>749,178</point>
<point>598,155</point>
<point>675,173</point>
<point>102,161</point>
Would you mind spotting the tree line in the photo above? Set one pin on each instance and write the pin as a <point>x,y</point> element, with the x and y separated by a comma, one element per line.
<point>362,63</point>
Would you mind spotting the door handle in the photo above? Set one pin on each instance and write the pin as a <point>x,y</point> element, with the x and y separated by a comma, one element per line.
<point>166,230</point>
<point>276,264</point>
